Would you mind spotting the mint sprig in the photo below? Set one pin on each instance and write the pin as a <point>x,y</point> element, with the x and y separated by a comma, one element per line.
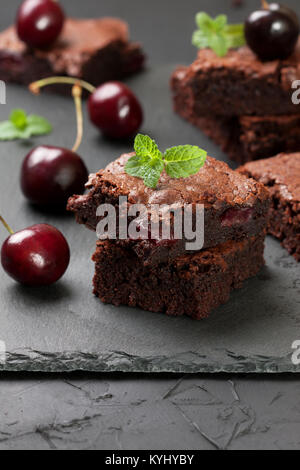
<point>23,126</point>
<point>148,162</point>
<point>184,160</point>
<point>217,34</point>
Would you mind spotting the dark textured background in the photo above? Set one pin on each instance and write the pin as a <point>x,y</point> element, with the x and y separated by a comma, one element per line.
<point>124,412</point>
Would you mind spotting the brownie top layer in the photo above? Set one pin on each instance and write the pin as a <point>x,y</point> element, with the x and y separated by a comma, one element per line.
<point>214,185</point>
<point>282,171</point>
<point>79,39</point>
<point>244,60</point>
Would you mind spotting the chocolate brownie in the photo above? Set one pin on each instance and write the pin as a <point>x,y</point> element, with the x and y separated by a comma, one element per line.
<point>95,50</point>
<point>244,138</point>
<point>238,84</point>
<point>192,284</point>
<point>234,206</point>
<point>281,175</point>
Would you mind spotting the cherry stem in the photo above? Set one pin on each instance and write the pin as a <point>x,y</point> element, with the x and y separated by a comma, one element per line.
<point>265,4</point>
<point>6,225</point>
<point>77,94</point>
<point>36,86</point>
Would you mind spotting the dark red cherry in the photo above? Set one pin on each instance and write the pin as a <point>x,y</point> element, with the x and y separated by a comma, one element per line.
<point>36,256</point>
<point>285,10</point>
<point>272,32</point>
<point>50,175</point>
<point>39,22</point>
<point>115,110</point>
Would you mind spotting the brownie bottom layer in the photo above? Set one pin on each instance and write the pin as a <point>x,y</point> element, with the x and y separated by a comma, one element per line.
<point>252,138</point>
<point>191,285</point>
<point>244,138</point>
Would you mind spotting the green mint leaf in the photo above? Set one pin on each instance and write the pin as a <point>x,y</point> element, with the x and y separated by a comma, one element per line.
<point>152,176</point>
<point>200,40</point>
<point>184,160</point>
<point>37,125</point>
<point>15,128</point>
<point>8,131</point>
<point>144,146</point>
<point>220,22</point>
<point>149,163</point>
<point>19,118</point>
<point>217,34</point>
<point>218,43</point>
<point>185,168</point>
<point>184,153</point>
<point>137,166</point>
<point>147,168</point>
<point>204,22</point>
<point>235,35</point>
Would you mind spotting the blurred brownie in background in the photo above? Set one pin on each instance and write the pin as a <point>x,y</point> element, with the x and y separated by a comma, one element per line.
<point>95,50</point>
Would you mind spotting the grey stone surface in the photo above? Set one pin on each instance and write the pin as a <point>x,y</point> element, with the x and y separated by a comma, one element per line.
<point>64,328</point>
<point>129,411</point>
<point>138,412</point>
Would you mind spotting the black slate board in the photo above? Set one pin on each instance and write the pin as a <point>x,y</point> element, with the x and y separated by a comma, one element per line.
<point>64,328</point>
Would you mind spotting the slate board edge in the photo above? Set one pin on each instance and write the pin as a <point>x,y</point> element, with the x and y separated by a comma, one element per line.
<point>37,361</point>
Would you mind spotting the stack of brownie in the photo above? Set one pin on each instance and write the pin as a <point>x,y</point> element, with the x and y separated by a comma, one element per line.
<point>161,275</point>
<point>243,104</point>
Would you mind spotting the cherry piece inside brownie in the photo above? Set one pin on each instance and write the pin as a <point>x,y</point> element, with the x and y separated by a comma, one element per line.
<point>96,50</point>
<point>281,175</point>
<point>235,206</point>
